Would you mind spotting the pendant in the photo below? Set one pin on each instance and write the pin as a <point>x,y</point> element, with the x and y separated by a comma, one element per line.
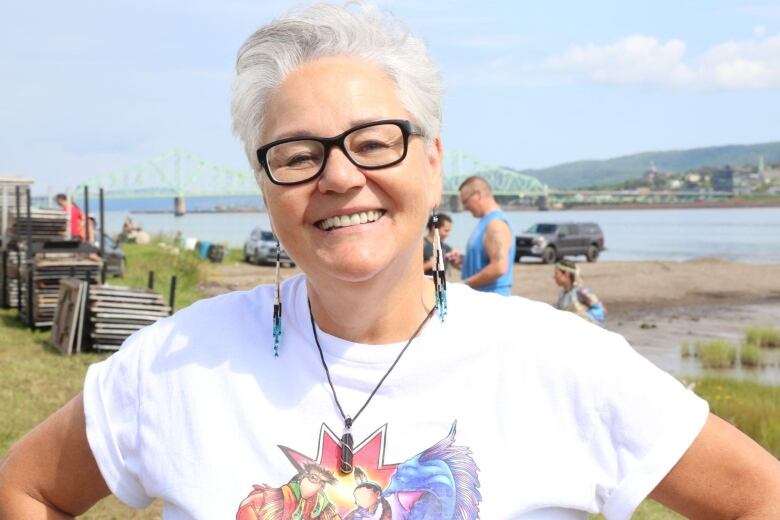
<point>347,445</point>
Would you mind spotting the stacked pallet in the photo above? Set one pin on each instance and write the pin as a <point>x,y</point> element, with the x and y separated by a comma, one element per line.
<point>9,270</point>
<point>8,187</point>
<point>115,312</point>
<point>47,271</point>
<point>45,224</point>
<point>67,329</point>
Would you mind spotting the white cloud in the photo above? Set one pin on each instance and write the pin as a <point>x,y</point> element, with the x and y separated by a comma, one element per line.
<point>643,60</point>
<point>634,59</point>
<point>743,64</point>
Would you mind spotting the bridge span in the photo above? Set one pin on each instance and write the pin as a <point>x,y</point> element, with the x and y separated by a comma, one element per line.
<point>179,174</point>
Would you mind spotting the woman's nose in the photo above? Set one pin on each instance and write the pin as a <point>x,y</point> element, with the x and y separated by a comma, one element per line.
<point>340,174</point>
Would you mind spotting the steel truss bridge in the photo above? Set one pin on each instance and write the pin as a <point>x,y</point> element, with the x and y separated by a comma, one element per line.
<point>180,173</point>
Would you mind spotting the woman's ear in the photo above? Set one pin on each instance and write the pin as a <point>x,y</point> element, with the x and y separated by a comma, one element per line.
<point>265,201</point>
<point>435,158</point>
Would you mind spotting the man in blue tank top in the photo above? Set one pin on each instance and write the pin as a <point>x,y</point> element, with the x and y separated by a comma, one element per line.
<point>490,251</point>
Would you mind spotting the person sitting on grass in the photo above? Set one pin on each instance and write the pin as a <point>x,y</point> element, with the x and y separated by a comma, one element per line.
<point>575,297</point>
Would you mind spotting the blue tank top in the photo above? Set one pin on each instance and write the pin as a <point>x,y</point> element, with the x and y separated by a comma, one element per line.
<point>476,256</point>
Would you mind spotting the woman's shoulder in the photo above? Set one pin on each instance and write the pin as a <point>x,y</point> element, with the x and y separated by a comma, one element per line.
<point>491,305</point>
<point>522,321</point>
<point>222,308</point>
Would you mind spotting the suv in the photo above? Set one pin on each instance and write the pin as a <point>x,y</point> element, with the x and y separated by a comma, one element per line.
<point>260,248</point>
<point>552,241</point>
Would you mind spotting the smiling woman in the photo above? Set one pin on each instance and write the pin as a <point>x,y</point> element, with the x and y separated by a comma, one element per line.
<point>372,408</point>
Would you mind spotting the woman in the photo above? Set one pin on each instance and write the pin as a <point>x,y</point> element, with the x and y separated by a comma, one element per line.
<point>497,412</point>
<point>575,297</point>
<point>445,226</point>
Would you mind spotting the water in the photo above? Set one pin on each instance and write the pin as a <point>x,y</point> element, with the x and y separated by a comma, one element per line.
<point>737,234</point>
<point>668,327</point>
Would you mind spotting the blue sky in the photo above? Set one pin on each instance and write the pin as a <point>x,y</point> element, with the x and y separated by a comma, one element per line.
<point>88,87</point>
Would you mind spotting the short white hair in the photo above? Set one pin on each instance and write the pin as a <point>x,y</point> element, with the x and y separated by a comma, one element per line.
<point>355,29</point>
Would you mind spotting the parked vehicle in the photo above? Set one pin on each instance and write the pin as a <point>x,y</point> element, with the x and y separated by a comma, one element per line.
<point>260,248</point>
<point>552,241</point>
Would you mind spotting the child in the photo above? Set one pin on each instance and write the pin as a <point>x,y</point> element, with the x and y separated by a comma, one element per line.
<point>574,296</point>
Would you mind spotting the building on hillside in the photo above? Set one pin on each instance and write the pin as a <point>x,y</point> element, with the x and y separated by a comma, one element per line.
<point>695,181</point>
<point>739,181</point>
<point>675,184</point>
<point>723,179</point>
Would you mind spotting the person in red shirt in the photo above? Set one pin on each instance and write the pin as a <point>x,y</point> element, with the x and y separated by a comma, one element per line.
<point>76,216</point>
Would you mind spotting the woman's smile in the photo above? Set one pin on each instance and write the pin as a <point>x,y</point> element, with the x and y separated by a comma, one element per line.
<point>350,219</point>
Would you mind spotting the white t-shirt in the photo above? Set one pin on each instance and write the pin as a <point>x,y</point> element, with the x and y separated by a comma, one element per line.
<point>508,410</point>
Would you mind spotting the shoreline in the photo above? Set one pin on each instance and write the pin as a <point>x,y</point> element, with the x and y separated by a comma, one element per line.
<point>729,204</point>
<point>704,204</point>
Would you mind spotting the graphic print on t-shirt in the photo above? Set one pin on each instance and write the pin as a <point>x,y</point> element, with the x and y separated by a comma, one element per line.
<point>438,483</point>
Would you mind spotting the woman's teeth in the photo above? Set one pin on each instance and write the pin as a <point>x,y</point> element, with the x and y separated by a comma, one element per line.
<point>349,220</point>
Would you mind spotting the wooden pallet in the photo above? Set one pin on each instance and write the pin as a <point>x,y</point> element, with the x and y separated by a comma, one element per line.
<point>69,316</point>
<point>116,312</point>
<point>49,269</point>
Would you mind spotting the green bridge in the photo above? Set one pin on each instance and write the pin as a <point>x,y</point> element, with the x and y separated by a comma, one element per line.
<point>180,174</point>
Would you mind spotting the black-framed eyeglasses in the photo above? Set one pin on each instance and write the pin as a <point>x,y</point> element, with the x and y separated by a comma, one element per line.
<point>375,145</point>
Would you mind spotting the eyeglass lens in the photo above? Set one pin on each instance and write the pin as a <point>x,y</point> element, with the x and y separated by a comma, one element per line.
<point>372,146</point>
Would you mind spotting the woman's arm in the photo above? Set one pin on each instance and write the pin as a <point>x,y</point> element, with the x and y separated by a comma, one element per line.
<point>724,474</point>
<point>428,264</point>
<point>50,472</point>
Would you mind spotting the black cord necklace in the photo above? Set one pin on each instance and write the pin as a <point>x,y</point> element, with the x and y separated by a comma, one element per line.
<point>347,443</point>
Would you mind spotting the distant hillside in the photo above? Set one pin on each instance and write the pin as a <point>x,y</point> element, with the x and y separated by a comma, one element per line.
<point>620,169</point>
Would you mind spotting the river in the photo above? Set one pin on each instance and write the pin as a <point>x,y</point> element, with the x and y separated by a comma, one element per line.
<point>738,234</point>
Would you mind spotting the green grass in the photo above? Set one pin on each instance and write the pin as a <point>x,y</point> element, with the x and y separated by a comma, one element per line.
<point>751,407</point>
<point>764,337</point>
<point>649,510</point>
<point>35,378</point>
<point>687,350</point>
<point>233,255</point>
<point>716,354</point>
<point>189,268</point>
<point>751,355</point>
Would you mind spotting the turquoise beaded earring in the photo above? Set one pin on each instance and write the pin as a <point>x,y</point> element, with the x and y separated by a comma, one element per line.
<point>439,280</point>
<point>277,323</point>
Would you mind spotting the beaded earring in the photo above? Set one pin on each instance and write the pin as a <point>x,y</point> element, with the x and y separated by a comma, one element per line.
<point>277,324</point>
<point>439,280</point>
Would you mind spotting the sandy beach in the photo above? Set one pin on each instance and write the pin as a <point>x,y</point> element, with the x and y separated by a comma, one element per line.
<point>623,286</point>
<point>626,286</point>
